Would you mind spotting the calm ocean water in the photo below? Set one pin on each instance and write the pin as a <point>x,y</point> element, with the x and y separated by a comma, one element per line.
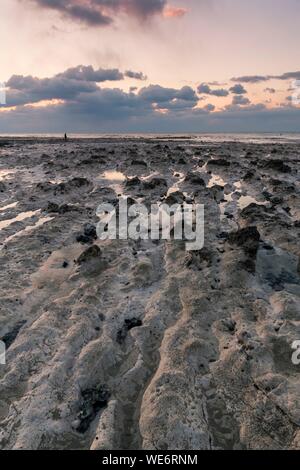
<point>217,137</point>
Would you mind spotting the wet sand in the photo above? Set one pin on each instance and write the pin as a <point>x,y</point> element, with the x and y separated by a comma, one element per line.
<point>141,344</point>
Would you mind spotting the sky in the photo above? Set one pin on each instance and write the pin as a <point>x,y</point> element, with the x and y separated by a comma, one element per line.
<point>149,66</point>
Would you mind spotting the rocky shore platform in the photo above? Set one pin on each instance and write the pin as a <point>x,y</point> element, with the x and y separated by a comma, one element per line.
<point>142,344</point>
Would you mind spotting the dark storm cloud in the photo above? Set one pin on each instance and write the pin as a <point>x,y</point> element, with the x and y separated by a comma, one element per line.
<point>135,75</point>
<point>220,92</point>
<point>120,112</point>
<point>86,12</point>
<point>240,100</point>
<point>266,78</point>
<point>67,85</point>
<point>77,91</point>
<point>169,98</point>
<point>251,79</point>
<point>87,73</point>
<point>102,12</point>
<point>205,89</point>
<point>85,106</point>
<point>26,90</point>
<point>109,104</point>
<point>238,89</point>
<point>289,76</point>
<point>242,107</point>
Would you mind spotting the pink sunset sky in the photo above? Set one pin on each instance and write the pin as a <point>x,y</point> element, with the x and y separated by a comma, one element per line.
<point>150,65</point>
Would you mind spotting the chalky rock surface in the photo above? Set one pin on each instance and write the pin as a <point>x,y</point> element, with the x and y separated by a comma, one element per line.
<point>142,344</point>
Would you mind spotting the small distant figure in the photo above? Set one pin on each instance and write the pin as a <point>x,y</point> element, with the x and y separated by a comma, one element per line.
<point>66,137</point>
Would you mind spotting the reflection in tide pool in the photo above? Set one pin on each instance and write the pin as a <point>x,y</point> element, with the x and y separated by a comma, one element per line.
<point>30,228</point>
<point>245,201</point>
<point>113,175</point>
<point>5,173</point>
<point>19,218</point>
<point>9,206</point>
<point>114,179</point>
<point>216,180</point>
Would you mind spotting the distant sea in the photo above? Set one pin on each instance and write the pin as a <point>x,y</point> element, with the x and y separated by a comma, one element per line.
<point>205,137</point>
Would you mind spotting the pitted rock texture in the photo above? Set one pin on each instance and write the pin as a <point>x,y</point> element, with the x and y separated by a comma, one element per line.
<point>142,344</point>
